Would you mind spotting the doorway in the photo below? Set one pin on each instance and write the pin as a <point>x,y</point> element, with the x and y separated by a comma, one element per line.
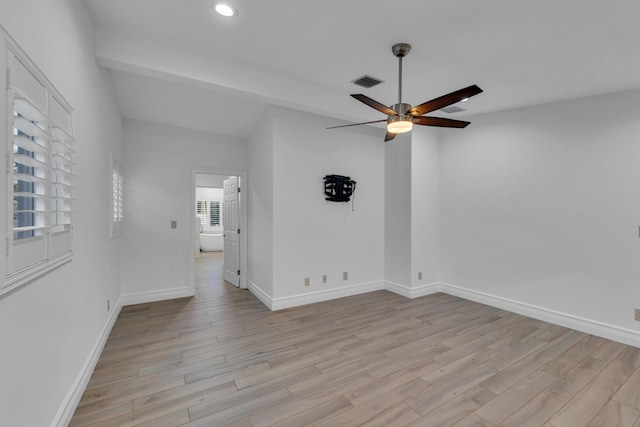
<point>219,215</point>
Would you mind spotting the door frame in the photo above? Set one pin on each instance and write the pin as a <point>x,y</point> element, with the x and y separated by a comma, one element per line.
<point>242,211</point>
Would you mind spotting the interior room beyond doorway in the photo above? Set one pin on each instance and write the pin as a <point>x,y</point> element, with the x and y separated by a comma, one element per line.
<point>217,222</point>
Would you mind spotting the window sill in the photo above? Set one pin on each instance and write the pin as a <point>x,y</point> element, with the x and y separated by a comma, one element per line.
<point>15,280</point>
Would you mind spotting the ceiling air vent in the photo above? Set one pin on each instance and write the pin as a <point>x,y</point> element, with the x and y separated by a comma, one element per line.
<point>452,109</point>
<point>367,81</point>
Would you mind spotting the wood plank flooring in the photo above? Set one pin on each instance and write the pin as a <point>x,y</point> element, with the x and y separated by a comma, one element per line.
<point>379,359</point>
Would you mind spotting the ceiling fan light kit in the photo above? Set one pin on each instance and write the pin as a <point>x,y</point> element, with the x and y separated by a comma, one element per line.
<point>401,116</point>
<point>399,124</point>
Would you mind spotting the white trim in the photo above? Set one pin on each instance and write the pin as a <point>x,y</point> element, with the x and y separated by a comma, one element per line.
<point>70,402</point>
<point>324,295</point>
<point>589,326</point>
<point>412,292</point>
<point>261,295</point>
<point>153,296</point>
<point>31,273</point>
<point>14,47</point>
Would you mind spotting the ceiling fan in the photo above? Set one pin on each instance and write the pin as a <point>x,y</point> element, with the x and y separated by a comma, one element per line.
<point>401,116</point>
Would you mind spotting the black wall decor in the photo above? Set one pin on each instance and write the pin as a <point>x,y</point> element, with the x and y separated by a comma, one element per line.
<point>338,188</point>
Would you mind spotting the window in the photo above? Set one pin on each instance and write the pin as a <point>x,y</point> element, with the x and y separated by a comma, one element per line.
<point>214,214</point>
<point>201,207</point>
<point>117,197</point>
<point>41,179</point>
<point>209,209</point>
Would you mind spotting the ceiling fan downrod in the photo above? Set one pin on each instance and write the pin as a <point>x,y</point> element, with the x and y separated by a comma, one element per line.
<point>400,50</point>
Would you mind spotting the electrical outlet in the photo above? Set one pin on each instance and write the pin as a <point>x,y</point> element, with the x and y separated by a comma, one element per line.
<point>307,281</point>
<point>637,313</point>
<point>419,275</point>
<point>324,278</point>
<point>108,305</point>
<point>345,275</point>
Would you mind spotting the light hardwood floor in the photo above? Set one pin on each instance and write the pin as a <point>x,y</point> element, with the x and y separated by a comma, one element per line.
<point>222,358</point>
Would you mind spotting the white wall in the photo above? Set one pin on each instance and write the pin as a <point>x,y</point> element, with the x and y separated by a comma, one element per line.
<point>397,204</point>
<point>541,206</point>
<point>159,164</point>
<point>425,206</point>
<point>261,210</point>
<point>51,327</point>
<point>412,212</point>
<point>313,237</point>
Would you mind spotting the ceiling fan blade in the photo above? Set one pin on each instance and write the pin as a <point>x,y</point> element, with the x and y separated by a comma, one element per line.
<point>444,100</point>
<point>358,124</point>
<point>389,136</point>
<point>375,104</point>
<point>441,122</point>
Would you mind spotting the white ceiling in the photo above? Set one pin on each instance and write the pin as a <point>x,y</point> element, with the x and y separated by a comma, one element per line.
<point>187,106</point>
<point>175,62</point>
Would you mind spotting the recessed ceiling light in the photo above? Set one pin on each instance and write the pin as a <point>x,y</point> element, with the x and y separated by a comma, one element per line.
<point>225,10</point>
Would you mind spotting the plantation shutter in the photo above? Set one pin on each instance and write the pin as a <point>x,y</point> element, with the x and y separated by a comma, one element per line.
<point>214,214</point>
<point>117,198</point>
<point>41,174</point>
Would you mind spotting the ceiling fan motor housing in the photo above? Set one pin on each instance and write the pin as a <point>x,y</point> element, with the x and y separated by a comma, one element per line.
<point>401,108</point>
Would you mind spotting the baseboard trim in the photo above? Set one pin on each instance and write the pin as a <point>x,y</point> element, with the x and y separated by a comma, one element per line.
<point>260,294</point>
<point>325,295</point>
<point>589,326</point>
<point>153,296</point>
<point>415,292</point>
<point>70,402</point>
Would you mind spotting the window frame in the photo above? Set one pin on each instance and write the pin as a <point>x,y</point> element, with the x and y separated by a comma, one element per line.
<point>32,254</point>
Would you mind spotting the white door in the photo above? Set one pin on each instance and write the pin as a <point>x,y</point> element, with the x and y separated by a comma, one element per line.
<point>231,231</point>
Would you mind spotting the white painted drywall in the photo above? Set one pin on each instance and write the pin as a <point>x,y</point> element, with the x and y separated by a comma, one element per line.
<point>541,206</point>
<point>412,210</point>
<point>313,237</point>
<point>260,212</point>
<point>152,57</point>
<point>50,327</point>
<point>425,205</point>
<point>397,208</point>
<point>159,161</point>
